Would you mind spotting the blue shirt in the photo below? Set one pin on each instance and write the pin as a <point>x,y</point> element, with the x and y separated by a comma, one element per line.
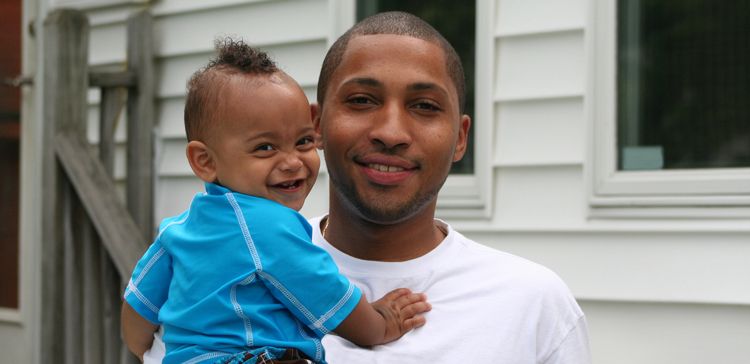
<point>236,273</point>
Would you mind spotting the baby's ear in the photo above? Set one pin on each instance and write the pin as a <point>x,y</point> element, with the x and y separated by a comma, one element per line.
<point>201,160</point>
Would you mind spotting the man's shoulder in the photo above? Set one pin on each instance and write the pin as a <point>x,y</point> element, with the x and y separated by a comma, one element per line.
<point>501,266</point>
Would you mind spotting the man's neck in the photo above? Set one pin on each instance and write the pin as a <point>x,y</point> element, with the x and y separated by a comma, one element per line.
<point>405,240</point>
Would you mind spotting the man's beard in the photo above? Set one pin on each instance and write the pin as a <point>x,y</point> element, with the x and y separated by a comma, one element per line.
<point>378,212</point>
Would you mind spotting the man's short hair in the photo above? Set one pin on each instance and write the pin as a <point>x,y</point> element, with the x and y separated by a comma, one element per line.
<point>204,87</point>
<point>396,23</point>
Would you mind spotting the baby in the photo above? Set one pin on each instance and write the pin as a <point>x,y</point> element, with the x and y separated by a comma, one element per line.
<point>235,278</point>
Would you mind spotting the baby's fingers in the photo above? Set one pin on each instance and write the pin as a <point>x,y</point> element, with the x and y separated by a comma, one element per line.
<point>413,323</point>
<point>410,299</point>
<point>415,308</point>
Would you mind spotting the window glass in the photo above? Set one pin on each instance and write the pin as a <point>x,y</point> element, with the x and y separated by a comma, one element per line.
<point>455,20</point>
<point>683,84</point>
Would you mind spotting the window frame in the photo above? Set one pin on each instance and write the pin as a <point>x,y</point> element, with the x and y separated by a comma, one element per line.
<point>695,193</point>
<point>463,196</point>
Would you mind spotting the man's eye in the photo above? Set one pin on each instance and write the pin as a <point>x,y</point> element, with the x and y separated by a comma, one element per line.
<point>359,100</point>
<point>428,106</point>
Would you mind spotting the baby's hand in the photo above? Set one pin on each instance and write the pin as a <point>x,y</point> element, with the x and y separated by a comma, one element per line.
<point>402,311</point>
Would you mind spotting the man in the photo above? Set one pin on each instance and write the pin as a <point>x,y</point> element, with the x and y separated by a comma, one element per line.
<point>390,116</point>
<point>391,95</point>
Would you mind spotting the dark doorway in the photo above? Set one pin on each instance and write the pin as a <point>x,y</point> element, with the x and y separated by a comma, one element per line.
<point>10,130</point>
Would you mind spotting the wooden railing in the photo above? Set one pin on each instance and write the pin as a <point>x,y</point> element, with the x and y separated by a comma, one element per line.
<point>90,238</point>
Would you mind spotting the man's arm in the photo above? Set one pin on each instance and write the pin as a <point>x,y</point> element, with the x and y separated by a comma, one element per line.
<point>386,319</point>
<point>137,332</point>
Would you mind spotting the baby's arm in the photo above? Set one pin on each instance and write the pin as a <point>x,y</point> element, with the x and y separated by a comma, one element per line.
<point>386,319</point>
<point>137,332</point>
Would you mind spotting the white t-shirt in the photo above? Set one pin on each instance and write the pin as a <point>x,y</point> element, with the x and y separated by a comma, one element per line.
<point>487,307</point>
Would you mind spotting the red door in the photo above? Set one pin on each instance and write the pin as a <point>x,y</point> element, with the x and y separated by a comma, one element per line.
<point>10,66</point>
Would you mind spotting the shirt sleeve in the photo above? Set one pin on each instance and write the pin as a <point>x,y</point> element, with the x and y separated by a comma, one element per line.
<point>300,274</point>
<point>574,348</point>
<point>148,286</point>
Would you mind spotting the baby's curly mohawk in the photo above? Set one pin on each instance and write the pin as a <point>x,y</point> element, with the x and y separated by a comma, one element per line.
<point>237,55</point>
<point>233,57</point>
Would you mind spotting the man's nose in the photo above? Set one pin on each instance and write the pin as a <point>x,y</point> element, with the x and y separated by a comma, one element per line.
<point>392,128</point>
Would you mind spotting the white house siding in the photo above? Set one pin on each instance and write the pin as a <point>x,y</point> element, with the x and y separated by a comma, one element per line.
<point>654,290</point>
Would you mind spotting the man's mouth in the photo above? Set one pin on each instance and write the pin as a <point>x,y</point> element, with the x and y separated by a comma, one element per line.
<point>384,168</point>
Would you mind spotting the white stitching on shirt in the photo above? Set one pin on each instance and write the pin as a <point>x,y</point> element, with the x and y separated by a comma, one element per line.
<point>211,355</point>
<point>316,341</point>
<point>245,231</point>
<point>336,307</point>
<point>148,266</point>
<point>238,309</point>
<point>304,310</point>
<point>132,288</point>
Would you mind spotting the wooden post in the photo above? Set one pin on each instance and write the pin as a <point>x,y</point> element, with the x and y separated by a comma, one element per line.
<point>140,164</point>
<point>65,80</point>
<point>111,103</point>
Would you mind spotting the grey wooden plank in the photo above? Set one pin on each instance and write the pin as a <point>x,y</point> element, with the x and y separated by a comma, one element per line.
<point>71,218</point>
<point>110,296</point>
<point>110,108</point>
<point>140,151</point>
<point>91,296</point>
<point>64,102</point>
<point>119,234</point>
<point>107,79</point>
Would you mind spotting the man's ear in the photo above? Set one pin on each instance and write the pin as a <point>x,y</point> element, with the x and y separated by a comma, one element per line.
<point>315,113</point>
<point>201,160</point>
<point>463,138</point>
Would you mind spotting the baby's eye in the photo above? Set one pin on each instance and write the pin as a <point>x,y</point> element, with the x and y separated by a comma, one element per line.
<point>306,140</point>
<point>264,148</point>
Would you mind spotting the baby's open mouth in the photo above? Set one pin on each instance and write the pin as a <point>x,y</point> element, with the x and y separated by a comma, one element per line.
<point>289,185</point>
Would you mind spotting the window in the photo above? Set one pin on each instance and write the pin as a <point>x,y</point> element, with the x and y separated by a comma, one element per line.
<point>668,107</point>
<point>455,20</point>
<point>683,84</point>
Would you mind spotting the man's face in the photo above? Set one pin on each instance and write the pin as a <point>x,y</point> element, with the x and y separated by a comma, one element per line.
<point>264,142</point>
<point>390,127</point>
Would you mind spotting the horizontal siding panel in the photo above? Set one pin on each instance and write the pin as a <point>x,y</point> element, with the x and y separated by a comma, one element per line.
<point>259,23</point>
<point>540,66</point>
<point>626,333</point>
<point>539,132</point>
<point>172,160</point>
<point>535,16</point>
<point>170,116</point>
<point>174,193</point>
<point>533,196</point>
<point>301,60</point>
<point>669,266</point>
<point>171,7</point>
<point>108,44</point>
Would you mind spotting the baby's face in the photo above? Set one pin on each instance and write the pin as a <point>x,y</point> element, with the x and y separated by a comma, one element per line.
<point>264,141</point>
